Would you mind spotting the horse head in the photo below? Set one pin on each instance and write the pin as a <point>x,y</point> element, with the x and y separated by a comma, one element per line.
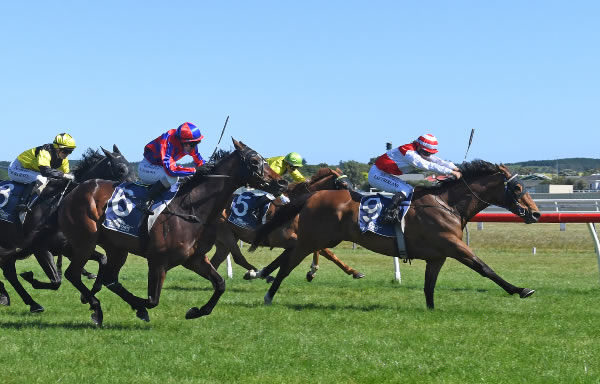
<point>256,172</point>
<point>119,167</point>
<point>517,199</point>
<point>492,184</point>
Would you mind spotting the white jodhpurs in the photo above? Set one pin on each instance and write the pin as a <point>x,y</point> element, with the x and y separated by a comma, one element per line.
<point>388,183</point>
<point>150,174</point>
<point>16,172</point>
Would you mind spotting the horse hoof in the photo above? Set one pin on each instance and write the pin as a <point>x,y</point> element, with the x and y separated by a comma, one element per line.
<point>526,292</point>
<point>195,312</point>
<point>358,275</point>
<point>97,318</point>
<point>309,276</point>
<point>268,299</point>
<point>91,276</point>
<point>269,279</point>
<point>4,300</point>
<point>142,314</point>
<point>27,276</point>
<point>250,275</point>
<point>36,308</point>
<point>82,299</point>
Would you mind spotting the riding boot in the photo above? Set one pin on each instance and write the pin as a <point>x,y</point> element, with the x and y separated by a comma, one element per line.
<point>154,192</point>
<point>390,213</point>
<point>257,211</point>
<point>27,198</point>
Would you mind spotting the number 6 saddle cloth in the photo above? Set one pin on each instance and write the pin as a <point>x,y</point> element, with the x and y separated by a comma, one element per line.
<point>121,215</point>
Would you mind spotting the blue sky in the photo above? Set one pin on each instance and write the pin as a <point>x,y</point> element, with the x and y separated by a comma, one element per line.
<point>332,80</point>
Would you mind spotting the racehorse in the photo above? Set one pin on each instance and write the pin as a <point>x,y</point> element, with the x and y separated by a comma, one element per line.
<point>228,234</point>
<point>434,223</point>
<point>181,235</point>
<point>39,235</point>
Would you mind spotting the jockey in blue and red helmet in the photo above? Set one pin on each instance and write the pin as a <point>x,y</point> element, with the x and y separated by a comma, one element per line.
<point>159,166</point>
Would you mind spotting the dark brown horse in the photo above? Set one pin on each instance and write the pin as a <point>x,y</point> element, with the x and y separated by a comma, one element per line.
<point>228,234</point>
<point>181,235</point>
<point>39,233</point>
<point>434,223</point>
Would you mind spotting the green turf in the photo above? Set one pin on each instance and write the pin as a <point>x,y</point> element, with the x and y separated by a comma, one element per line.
<point>335,329</point>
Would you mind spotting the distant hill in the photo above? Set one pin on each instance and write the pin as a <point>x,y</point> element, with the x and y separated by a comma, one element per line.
<point>577,164</point>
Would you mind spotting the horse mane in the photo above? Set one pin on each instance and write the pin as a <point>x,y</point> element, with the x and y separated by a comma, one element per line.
<point>195,179</point>
<point>321,174</point>
<point>469,169</point>
<point>89,158</point>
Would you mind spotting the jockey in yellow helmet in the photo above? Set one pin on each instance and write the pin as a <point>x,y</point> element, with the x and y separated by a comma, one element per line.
<point>282,165</point>
<point>34,166</point>
<point>287,164</point>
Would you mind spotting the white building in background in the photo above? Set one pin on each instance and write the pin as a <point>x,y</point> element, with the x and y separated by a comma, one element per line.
<point>592,181</point>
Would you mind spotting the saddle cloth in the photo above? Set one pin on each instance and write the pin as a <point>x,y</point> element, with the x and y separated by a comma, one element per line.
<point>121,215</point>
<point>241,206</point>
<point>10,195</point>
<point>369,215</point>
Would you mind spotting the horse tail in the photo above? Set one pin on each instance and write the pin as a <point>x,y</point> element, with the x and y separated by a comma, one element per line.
<point>282,215</point>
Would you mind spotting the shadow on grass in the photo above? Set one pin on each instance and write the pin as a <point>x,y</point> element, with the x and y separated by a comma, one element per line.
<point>208,288</point>
<point>40,324</point>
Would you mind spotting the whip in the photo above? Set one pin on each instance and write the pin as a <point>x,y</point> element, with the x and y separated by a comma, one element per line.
<point>470,141</point>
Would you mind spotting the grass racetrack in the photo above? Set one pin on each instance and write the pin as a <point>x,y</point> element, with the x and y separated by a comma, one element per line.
<point>335,329</point>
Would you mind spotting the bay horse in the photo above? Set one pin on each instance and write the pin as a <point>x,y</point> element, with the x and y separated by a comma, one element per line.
<point>434,223</point>
<point>181,235</point>
<point>39,233</point>
<point>228,234</point>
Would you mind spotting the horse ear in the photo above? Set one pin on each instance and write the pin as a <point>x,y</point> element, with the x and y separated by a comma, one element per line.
<point>237,144</point>
<point>116,149</point>
<point>107,153</point>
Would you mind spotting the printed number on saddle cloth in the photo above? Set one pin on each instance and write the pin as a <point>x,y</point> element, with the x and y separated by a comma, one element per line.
<point>5,192</point>
<point>121,204</point>
<point>241,207</point>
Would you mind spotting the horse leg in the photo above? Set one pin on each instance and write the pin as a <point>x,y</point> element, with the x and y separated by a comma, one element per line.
<point>343,266</point>
<point>46,261</point>
<point>222,249</point>
<point>73,274</point>
<point>101,259</point>
<point>432,269</point>
<point>10,273</point>
<point>4,297</point>
<point>290,258</point>
<point>468,258</point>
<point>314,267</point>
<point>204,268</point>
<point>108,275</point>
<point>266,271</point>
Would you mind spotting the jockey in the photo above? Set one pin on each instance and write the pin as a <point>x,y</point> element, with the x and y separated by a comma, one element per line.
<point>287,164</point>
<point>282,165</point>
<point>416,155</point>
<point>34,166</point>
<point>159,166</point>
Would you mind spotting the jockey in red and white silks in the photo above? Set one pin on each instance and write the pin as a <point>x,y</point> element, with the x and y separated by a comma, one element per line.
<point>416,155</point>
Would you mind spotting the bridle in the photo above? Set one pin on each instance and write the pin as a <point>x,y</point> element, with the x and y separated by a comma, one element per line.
<point>253,168</point>
<point>511,196</point>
